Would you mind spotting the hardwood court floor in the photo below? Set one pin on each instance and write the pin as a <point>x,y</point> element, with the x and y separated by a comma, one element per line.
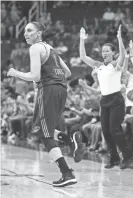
<point>28,174</point>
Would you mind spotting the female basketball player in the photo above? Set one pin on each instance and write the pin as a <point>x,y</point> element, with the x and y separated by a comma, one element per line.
<point>112,102</point>
<point>49,72</point>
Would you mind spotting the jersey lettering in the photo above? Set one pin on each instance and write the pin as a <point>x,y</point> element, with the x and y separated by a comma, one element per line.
<point>58,72</point>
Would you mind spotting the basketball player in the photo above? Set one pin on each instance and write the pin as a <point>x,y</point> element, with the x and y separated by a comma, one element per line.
<point>112,102</point>
<point>49,72</point>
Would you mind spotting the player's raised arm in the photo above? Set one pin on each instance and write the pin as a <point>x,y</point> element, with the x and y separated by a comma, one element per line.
<point>89,61</point>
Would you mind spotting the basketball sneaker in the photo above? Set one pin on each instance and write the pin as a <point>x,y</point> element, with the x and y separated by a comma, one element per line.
<point>125,162</point>
<point>113,161</point>
<point>78,147</point>
<point>67,179</point>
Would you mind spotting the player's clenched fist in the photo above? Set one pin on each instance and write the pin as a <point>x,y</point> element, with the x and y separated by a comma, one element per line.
<point>12,72</point>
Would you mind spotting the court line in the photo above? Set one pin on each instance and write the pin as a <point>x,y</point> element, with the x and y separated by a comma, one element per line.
<point>45,182</point>
<point>24,175</point>
<point>61,191</point>
<point>21,175</point>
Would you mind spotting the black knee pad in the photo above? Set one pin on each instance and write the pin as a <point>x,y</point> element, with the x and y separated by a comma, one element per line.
<point>50,143</point>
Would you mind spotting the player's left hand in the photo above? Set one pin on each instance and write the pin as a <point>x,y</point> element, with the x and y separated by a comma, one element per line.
<point>12,72</point>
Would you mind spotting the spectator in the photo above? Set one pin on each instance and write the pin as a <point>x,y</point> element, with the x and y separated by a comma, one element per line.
<point>61,49</point>
<point>58,4</point>
<point>75,60</point>
<point>96,130</point>
<point>128,24</point>
<point>21,87</point>
<point>23,111</point>
<point>10,28</point>
<point>51,42</point>
<point>9,106</point>
<point>119,16</point>
<point>3,31</point>
<point>45,19</point>
<point>14,14</point>
<point>96,49</point>
<point>20,54</point>
<point>3,12</point>
<point>58,25</point>
<point>4,125</point>
<point>109,15</point>
<point>74,36</point>
<point>96,82</point>
<point>42,18</point>
<point>49,19</point>
<point>128,13</point>
<point>111,32</point>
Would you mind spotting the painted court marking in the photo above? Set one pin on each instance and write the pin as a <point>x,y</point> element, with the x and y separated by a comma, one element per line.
<point>25,175</point>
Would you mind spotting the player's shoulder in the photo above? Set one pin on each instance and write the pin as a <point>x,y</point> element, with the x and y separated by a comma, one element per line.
<point>38,47</point>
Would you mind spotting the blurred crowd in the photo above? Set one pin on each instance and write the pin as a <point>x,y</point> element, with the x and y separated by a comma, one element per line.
<point>11,13</point>
<point>82,111</point>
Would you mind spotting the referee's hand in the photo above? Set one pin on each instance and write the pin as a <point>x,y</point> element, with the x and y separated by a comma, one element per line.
<point>119,32</point>
<point>83,34</point>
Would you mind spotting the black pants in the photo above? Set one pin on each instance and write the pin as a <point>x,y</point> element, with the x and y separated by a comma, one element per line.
<point>112,116</point>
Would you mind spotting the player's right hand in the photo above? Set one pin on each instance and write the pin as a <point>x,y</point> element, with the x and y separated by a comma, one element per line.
<point>83,34</point>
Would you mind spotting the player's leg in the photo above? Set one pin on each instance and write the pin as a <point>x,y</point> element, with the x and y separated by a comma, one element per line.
<point>56,155</point>
<point>51,107</point>
<point>75,141</point>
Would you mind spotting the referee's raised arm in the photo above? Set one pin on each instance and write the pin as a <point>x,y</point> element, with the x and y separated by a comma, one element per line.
<point>88,60</point>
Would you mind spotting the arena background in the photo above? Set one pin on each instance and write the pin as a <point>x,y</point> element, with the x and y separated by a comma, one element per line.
<point>62,21</point>
<point>25,171</point>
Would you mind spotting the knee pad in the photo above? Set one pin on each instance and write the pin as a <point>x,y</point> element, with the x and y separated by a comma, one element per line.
<point>50,143</point>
